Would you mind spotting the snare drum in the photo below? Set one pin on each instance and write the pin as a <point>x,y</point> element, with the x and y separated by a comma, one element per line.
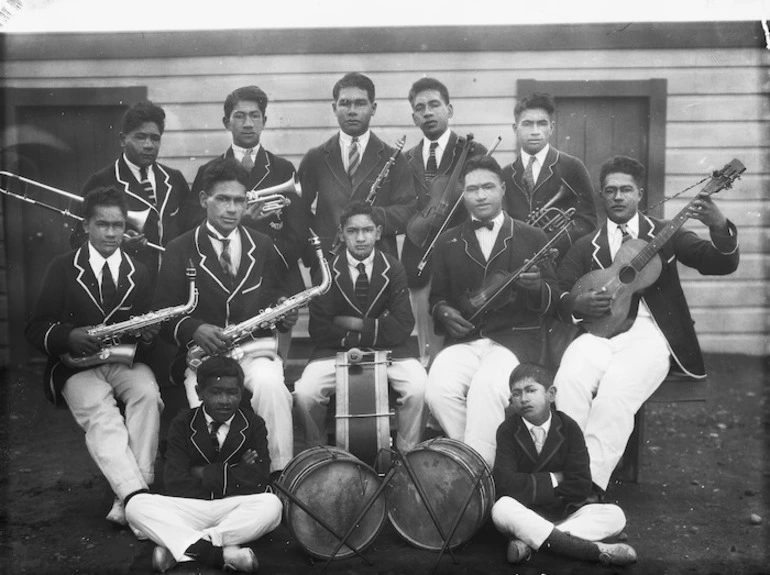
<point>447,470</point>
<point>335,486</point>
<point>363,413</point>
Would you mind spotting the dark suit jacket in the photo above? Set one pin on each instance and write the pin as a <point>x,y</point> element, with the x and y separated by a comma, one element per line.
<point>460,268</point>
<point>190,445</point>
<point>411,254</point>
<point>523,474</point>
<point>388,319</point>
<point>175,211</point>
<point>259,283</point>
<point>69,298</point>
<point>323,177</point>
<point>665,298</point>
<point>289,228</point>
<point>559,172</point>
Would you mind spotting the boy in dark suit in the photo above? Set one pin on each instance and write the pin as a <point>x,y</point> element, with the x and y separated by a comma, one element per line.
<point>217,472</point>
<point>542,480</point>
<point>367,306</point>
<point>100,284</point>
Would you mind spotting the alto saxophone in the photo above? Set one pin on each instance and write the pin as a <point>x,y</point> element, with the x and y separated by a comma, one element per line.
<point>239,333</point>
<point>112,351</point>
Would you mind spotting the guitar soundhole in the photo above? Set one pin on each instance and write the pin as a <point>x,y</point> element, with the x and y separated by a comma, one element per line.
<point>627,274</point>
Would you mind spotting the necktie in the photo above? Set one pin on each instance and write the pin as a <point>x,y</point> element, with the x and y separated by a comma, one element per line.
<point>529,179</point>
<point>215,425</point>
<point>354,158</point>
<point>362,286</point>
<point>108,286</point>
<point>624,230</point>
<point>477,224</point>
<point>247,162</point>
<point>225,261</point>
<point>538,436</point>
<point>431,169</point>
<point>147,185</point>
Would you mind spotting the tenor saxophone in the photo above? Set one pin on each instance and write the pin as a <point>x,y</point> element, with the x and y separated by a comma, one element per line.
<point>239,334</point>
<point>112,351</point>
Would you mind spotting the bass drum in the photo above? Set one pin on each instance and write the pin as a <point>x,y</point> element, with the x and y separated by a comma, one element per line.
<point>335,486</point>
<point>447,470</point>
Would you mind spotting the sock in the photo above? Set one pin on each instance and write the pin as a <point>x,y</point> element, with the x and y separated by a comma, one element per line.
<point>206,553</point>
<point>565,544</point>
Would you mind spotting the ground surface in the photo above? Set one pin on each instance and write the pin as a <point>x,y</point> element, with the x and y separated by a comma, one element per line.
<point>705,471</point>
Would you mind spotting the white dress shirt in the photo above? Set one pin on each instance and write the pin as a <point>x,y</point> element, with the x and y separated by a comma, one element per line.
<point>235,245</point>
<point>545,427</point>
<point>353,266</point>
<point>442,142</point>
<point>96,260</point>
<point>487,238</point>
<point>223,430</point>
<point>539,161</point>
<point>345,143</point>
<point>239,153</point>
<point>138,175</point>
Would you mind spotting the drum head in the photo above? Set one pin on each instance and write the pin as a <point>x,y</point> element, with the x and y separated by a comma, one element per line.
<point>335,486</point>
<point>446,473</point>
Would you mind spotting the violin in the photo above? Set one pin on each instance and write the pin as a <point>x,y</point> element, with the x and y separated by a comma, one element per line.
<point>444,192</point>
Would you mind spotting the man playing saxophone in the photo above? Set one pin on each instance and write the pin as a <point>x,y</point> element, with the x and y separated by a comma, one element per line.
<point>240,273</point>
<point>100,284</point>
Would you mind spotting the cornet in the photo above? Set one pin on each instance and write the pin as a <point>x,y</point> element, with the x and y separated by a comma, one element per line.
<point>273,197</point>
<point>550,218</point>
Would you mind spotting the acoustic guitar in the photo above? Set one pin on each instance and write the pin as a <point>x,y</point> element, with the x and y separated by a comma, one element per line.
<point>638,264</point>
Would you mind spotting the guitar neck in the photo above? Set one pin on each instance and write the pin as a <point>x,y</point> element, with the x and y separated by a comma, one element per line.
<point>652,248</point>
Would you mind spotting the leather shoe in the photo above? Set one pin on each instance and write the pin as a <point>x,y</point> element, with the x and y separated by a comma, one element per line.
<point>118,513</point>
<point>239,559</point>
<point>518,551</point>
<point>616,554</point>
<point>162,559</point>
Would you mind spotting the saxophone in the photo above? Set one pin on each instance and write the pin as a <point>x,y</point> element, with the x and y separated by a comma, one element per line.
<point>239,334</point>
<point>112,350</point>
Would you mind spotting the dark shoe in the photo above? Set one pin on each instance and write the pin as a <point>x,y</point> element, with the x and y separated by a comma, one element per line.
<point>616,554</point>
<point>518,551</point>
<point>162,559</point>
<point>239,559</point>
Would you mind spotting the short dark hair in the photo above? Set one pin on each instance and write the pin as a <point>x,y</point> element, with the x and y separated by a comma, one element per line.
<point>481,162</point>
<point>223,170</point>
<point>623,165</point>
<point>354,80</point>
<point>219,366</point>
<point>103,196</point>
<point>358,209</point>
<point>534,101</point>
<point>143,112</point>
<point>535,371</point>
<point>246,93</point>
<point>424,84</point>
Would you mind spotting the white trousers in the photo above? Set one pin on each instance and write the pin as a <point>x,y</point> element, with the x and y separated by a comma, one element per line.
<point>591,522</point>
<point>318,383</point>
<point>468,392</point>
<point>123,449</point>
<point>429,342</point>
<point>178,522</point>
<point>603,382</point>
<point>270,399</point>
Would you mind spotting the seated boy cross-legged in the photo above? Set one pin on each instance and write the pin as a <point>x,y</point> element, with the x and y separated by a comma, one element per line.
<point>368,307</point>
<point>217,470</point>
<point>542,479</point>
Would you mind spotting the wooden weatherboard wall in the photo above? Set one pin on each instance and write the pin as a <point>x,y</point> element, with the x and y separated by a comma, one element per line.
<point>716,105</point>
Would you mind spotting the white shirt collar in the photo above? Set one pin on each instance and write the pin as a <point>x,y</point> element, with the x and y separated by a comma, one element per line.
<point>239,152</point>
<point>219,236</point>
<point>353,262</point>
<point>497,221</point>
<point>96,261</point>
<point>632,226</point>
<point>346,140</point>
<point>545,426</point>
<point>443,141</point>
<point>540,156</point>
<point>136,170</point>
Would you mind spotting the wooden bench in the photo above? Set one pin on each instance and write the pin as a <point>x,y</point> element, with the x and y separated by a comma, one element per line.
<point>675,388</point>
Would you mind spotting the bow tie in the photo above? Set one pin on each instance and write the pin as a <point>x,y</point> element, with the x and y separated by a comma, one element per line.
<point>479,224</point>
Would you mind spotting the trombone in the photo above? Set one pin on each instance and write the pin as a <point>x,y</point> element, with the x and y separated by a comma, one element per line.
<point>64,212</point>
<point>273,197</point>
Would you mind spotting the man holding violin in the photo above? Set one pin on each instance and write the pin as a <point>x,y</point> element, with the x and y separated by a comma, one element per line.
<point>432,161</point>
<point>468,382</point>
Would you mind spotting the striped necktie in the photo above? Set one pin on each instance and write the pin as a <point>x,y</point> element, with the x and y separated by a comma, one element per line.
<point>147,185</point>
<point>354,158</point>
<point>529,178</point>
<point>431,169</point>
<point>225,261</point>
<point>624,230</point>
<point>362,286</point>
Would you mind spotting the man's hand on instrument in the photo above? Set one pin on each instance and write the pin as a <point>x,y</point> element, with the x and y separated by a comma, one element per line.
<point>211,338</point>
<point>453,321</point>
<point>147,334</point>
<point>80,343</point>
<point>254,211</point>
<point>250,457</point>
<point>595,303</point>
<point>133,239</point>
<point>349,322</point>
<point>290,319</point>
<point>704,209</point>
<point>530,280</point>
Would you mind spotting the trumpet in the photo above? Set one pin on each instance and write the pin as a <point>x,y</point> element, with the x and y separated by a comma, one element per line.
<point>65,212</point>
<point>273,197</point>
<point>549,218</point>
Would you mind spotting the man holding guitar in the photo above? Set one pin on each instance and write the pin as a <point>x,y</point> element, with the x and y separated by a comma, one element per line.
<point>633,308</point>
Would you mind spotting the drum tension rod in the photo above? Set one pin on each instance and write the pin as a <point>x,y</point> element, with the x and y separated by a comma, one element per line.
<point>364,415</point>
